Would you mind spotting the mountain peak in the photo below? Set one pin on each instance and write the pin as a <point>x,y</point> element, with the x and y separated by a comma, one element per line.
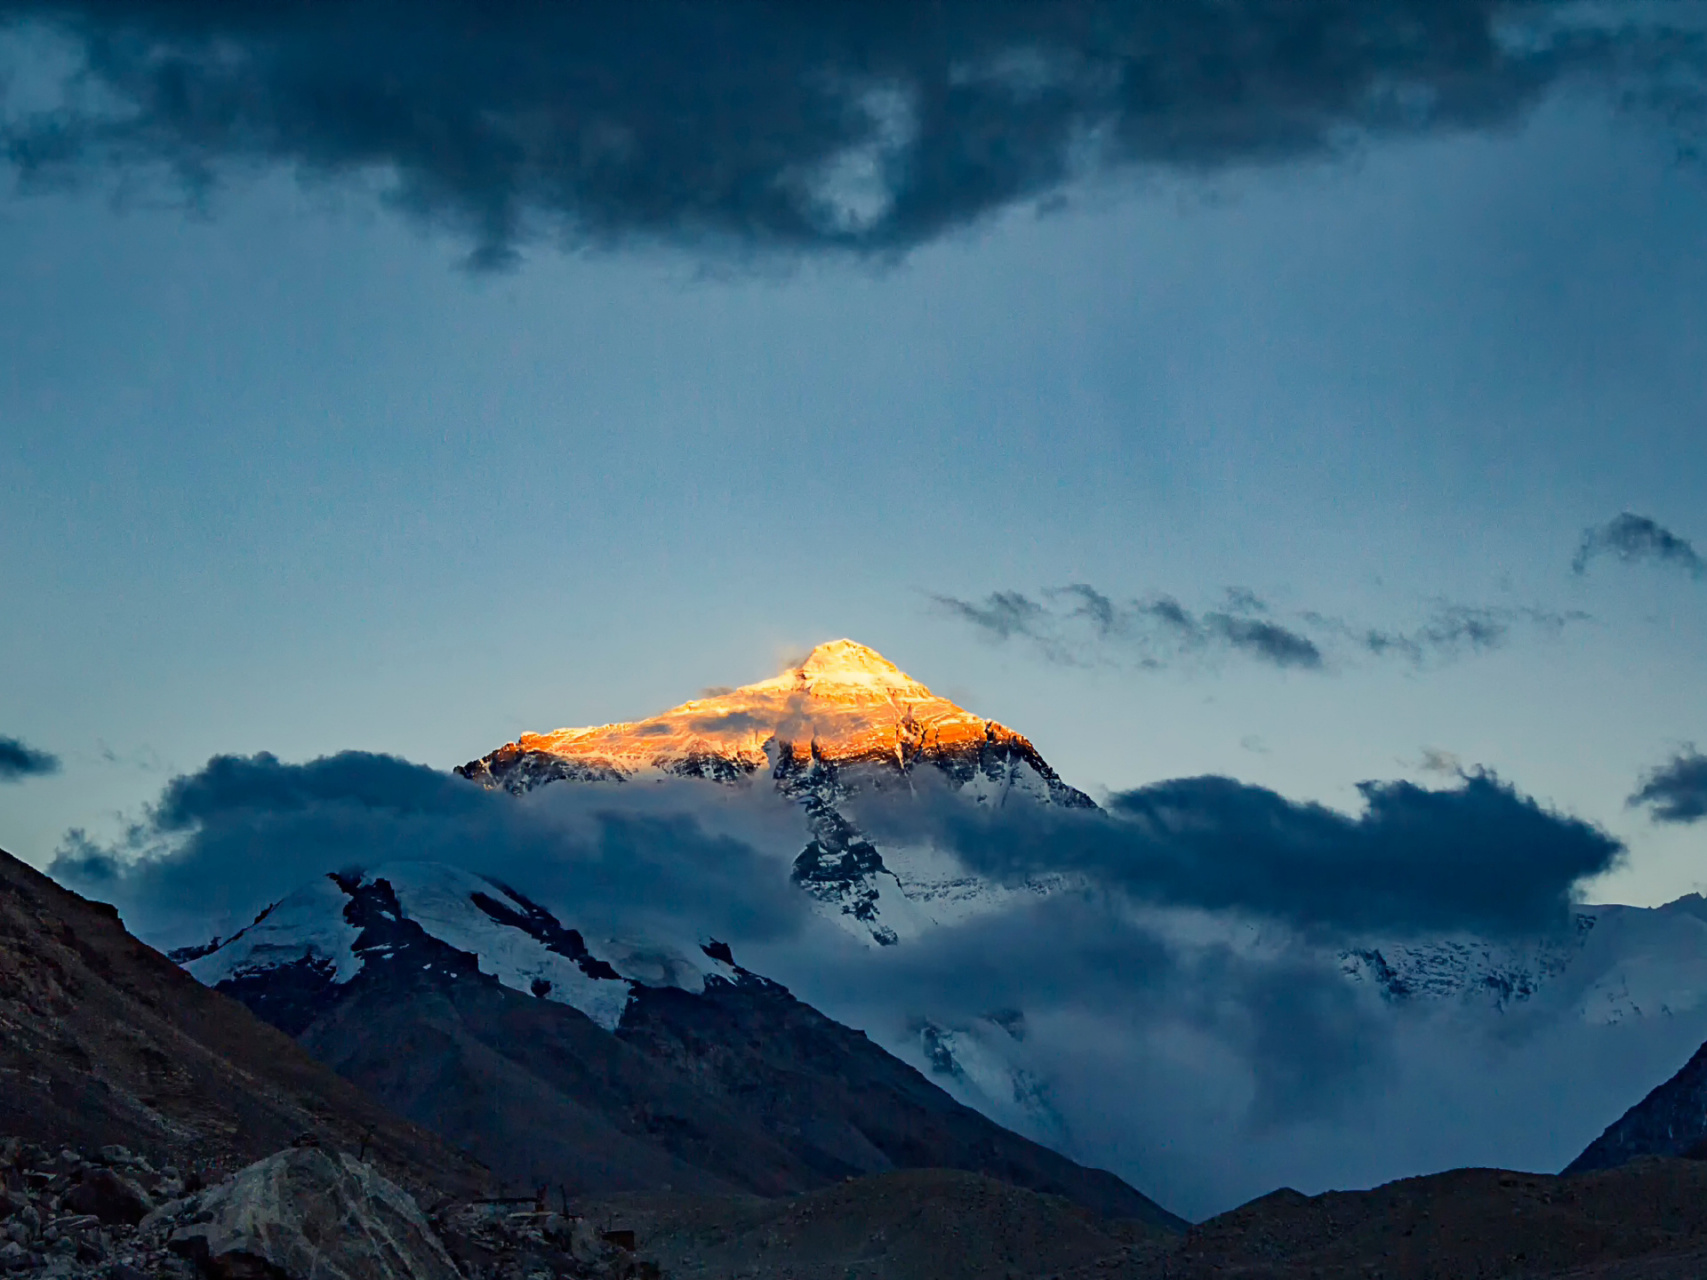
<point>842,702</point>
<point>847,660</point>
<point>839,670</point>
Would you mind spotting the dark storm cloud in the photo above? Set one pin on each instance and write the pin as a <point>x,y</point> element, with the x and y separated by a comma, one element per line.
<point>246,830</point>
<point>1078,623</point>
<point>868,125</point>
<point>19,760</point>
<point>1676,791</point>
<point>1632,539</point>
<point>1477,856</point>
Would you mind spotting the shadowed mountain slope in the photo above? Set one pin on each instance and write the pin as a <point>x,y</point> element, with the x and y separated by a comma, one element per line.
<point>104,1040</point>
<point>725,1084</point>
<point>1670,1121</point>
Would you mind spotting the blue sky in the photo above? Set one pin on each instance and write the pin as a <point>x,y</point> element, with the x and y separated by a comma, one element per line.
<point>284,474</point>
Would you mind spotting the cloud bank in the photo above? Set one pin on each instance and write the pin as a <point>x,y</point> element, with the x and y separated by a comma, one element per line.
<point>869,127</point>
<point>1478,857</point>
<point>19,760</point>
<point>1637,539</point>
<point>1078,624</point>
<point>1177,1014</point>
<point>245,830</point>
<point>1675,791</point>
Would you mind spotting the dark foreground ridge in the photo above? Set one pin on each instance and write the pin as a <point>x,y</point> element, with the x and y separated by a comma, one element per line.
<point>1670,1121</point>
<point>305,1213</point>
<point>103,1041</point>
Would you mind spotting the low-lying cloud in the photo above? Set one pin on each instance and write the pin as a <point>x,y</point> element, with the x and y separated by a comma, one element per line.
<point>1078,624</point>
<point>1175,1011</point>
<point>19,760</point>
<point>1675,791</point>
<point>1636,539</point>
<point>1476,857</point>
<point>862,127</point>
<point>246,830</point>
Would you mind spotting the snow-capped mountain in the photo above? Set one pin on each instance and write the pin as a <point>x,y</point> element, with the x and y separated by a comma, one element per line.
<point>1617,964</point>
<point>844,722</point>
<point>459,1002</point>
<point>311,943</point>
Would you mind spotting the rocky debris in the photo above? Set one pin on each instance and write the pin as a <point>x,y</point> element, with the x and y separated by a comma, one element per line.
<point>919,1224</point>
<point>302,1213</point>
<point>66,1214</point>
<point>498,1240</point>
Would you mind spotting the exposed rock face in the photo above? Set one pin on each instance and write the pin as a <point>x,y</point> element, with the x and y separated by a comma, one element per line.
<point>841,1103</point>
<point>306,1214</point>
<point>1670,1121</point>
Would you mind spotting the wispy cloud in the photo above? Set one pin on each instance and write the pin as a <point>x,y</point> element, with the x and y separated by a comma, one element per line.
<point>1675,791</point>
<point>1636,539</point>
<point>19,760</point>
<point>1078,623</point>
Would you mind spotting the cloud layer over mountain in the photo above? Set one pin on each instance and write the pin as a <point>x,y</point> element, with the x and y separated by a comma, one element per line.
<point>1478,856</point>
<point>245,830</point>
<point>871,127</point>
<point>1184,1002</point>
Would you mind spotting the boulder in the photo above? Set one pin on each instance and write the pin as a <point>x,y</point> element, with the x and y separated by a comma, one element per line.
<point>305,1214</point>
<point>110,1196</point>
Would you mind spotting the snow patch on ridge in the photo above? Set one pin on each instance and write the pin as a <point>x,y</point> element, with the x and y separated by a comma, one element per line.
<point>308,924</point>
<point>311,925</point>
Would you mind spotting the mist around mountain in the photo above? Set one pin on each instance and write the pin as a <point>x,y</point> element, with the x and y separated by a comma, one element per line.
<point>1204,987</point>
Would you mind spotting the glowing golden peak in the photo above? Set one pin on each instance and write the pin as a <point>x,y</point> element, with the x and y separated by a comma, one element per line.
<point>842,668</point>
<point>840,659</point>
<point>842,699</point>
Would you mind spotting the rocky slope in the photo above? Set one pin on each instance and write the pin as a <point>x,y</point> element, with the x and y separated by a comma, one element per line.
<point>570,1062</point>
<point>304,1213</point>
<point>103,1041</point>
<point>1670,1121</point>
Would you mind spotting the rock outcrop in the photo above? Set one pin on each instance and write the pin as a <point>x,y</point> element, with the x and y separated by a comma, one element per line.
<point>304,1214</point>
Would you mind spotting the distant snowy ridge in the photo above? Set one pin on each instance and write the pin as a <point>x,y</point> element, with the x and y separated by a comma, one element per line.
<point>514,939</point>
<point>1616,964</point>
